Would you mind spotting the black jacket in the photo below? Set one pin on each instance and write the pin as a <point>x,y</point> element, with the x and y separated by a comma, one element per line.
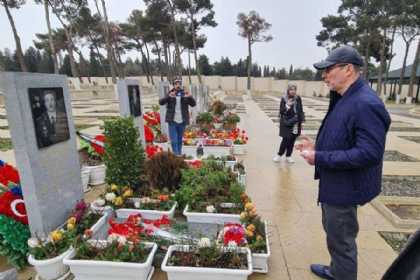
<point>170,108</point>
<point>288,118</point>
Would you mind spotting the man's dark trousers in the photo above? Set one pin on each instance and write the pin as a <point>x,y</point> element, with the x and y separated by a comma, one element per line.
<point>341,226</point>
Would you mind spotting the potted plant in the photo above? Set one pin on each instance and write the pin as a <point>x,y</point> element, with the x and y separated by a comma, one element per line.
<point>124,155</point>
<point>256,232</point>
<point>210,194</point>
<point>204,120</point>
<point>206,261</point>
<point>93,167</point>
<point>230,121</point>
<point>114,197</point>
<point>228,161</point>
<point>122,256</point>
<point>240,139</point>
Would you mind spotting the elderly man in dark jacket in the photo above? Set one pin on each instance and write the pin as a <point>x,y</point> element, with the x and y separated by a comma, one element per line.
<point>348,157</point>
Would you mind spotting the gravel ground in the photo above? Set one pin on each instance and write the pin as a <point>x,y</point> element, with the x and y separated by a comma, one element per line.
<point>401,186</point>
<point>397,156</point>
<point>397,240</point>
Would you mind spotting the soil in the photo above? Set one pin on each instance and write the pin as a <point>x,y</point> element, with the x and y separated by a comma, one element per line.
<point>227,260</point>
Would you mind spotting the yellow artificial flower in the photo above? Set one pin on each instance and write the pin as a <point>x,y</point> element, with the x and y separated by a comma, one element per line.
<point>249,233</point>
<point>249,206</point>
<point>71,220</point>
<point>251,227</point>
<point>119,201</point>
<point>56,235</point>
<point>70,226</point>
<point>259,238</point>
<point>114,188</point>
<point>128,193</point>
<point>243,216</point>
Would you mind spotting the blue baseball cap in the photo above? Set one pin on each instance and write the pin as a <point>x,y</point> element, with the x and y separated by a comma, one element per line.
<point>341,55</point>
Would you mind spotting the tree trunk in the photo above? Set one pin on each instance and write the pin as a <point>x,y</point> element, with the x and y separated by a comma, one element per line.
<point>109,49</point>
<point>367,55</point>
<point>144,60</point>
<point>197,66</point>
<point>414,70</point>
<point>249,63</point>
<point>159,59</point>
<point>149,65</point>
<point>382,64</point>
<point>189,66</point>
<point>98,53</point>
<point>402,74</point>
<point>388,68</point>
<point>50,37</point>
<point>168,72</point>
<point>70,49</point>
<point>178,62</point>
<point>19,51</point>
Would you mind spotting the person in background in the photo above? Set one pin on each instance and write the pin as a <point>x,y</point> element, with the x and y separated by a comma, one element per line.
<point>291,118</point>
<point>177,114</point>
<point>348,158</point>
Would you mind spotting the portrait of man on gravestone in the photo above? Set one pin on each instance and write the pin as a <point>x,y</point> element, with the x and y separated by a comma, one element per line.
<point>49,115</point>
<point>134,100</point>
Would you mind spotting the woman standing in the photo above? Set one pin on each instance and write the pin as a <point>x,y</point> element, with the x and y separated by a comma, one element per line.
<point>291,118</point>
<point>177,114</point>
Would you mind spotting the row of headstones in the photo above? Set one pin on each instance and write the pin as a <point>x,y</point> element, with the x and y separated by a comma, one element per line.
<point>44,140</point>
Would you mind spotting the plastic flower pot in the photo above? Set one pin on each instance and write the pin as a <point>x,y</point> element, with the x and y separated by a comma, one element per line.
<point>210,218</point>
<point>85,179</point>
<point>146,214</point>
<point>50,269</point>
<point>260,261</point>
<point>242,179</point>
<point>239,149</point>
<point>204,273</point>
<point>108,270</point>
<point>97,174</point>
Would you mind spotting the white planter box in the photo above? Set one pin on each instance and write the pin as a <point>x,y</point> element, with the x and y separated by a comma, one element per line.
<point>100,209</point>
<point>97,174</point>
<point>260,261</point>
<point>210,218</point>
<point>239,149</point>
<point>242,179</point>
<point>99,224</point>
<point>208,150</point>
<point>107,270</point>
<point>146,214</point>
<point>50,269</point>
<point>204,273</point>
<point>85,179</point>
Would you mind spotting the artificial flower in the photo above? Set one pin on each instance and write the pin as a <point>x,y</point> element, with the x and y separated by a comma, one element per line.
<point>71,220</point>
<point>204,243</point>
<point>114,188</point>
<point>99,202</point>
<point>164,197</point>
<point>33,242</point>
<point>119,201</point>
<point>243,216</point>
<point>210,209</point>
<point>251,227</point>
<point>110,197</point>
<point>259,238</point>
<point>249,206</point>
<point>128,193</point>
<point>137,204</point>
<point>56,236</point>
<point>232,244</point>
<point>70,226</point>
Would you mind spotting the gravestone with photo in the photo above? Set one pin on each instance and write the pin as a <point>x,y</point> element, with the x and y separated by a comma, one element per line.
<point>163,91</point>
<point>41,126</point>
<point>129,95</point>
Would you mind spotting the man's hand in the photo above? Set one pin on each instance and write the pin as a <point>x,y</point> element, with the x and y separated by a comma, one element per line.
<point>187,94</point>
<point>307,150</point>
<point>172,93</point>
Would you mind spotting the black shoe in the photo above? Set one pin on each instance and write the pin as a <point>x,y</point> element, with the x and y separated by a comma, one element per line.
<point>322,271</point>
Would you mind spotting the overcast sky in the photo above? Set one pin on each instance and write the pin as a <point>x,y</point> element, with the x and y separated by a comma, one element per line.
<point>295,23</point>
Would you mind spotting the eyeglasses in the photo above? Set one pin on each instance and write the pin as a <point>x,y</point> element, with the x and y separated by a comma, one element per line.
<point>329,69</point>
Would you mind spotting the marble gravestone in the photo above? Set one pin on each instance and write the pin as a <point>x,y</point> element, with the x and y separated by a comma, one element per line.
<point>44,145</point>
<point>129,95</point>
<point>163,91</point>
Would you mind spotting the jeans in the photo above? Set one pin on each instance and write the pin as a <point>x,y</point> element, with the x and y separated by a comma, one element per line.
<point>287,145</point>
<point>341,226</point>
<point>176,132</point>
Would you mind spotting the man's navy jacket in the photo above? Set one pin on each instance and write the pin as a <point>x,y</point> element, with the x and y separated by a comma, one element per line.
<point>350,147</point>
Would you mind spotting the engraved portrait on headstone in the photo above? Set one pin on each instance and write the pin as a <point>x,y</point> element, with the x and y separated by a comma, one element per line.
<point>49,116</point>
<point>134,100</point>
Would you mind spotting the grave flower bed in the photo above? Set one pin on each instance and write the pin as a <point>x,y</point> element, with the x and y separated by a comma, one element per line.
<point>206,260</point>
<point>210,194</point>
<point>122,256</point>
<point>47,255</point>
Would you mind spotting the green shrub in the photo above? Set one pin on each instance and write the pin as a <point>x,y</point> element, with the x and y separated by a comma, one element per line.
<point>124,155</point>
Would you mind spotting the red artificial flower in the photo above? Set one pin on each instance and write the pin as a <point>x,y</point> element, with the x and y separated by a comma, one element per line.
<point>149,135</point>
<point>235,233</point>
<point>99,149</point>
<point>9,174</point>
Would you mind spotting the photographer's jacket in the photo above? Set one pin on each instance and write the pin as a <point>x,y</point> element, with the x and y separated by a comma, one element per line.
<point>171,104</point>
